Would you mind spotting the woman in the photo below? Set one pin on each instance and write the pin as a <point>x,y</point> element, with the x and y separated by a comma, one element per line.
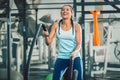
<point>69,37</point>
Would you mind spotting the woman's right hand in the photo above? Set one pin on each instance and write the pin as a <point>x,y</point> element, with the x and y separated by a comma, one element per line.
<point>46,33</point>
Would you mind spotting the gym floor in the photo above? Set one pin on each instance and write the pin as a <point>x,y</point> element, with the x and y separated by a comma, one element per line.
<point>40,72</point>
<point>113,76</point>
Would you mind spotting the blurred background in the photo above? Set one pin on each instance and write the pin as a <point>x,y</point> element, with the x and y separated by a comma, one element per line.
<point>22,49</point>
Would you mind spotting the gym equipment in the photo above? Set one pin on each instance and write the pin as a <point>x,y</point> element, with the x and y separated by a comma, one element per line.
<point>96,38</point>
<point>16,75</point>
<point>49,77</point>
<point>30,53</point>
<point>44,28</point>
<point>96,60</point>
<point>117,50</point>
<point>71,74</point>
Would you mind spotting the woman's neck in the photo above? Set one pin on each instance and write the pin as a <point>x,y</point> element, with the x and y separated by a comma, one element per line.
<point>66,21</point>
<point>66,24</point>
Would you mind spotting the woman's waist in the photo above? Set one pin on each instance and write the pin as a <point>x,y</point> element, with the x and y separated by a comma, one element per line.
<point>66,55</point>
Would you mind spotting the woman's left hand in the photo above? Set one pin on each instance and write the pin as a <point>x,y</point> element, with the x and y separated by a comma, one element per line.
<point>72,55</point>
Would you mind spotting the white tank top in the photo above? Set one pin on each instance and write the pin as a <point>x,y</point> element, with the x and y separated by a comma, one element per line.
<point>66,42</point>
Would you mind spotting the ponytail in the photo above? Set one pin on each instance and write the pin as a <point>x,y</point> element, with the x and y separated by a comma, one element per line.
<point>59,26</point>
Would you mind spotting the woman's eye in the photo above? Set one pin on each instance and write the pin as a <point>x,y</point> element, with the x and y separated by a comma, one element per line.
<point>67,9</point>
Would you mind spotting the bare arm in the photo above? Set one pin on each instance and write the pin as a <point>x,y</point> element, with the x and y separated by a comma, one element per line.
<point>49,36</point>
<point>78,32</point>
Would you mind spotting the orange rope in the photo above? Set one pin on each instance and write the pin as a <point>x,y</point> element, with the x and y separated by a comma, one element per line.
<point>96,38</point>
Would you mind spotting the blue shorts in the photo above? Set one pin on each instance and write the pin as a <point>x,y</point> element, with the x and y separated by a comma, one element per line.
<point>62,64</point>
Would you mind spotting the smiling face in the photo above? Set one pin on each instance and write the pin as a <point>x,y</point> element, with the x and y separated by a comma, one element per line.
<point>66,12</point>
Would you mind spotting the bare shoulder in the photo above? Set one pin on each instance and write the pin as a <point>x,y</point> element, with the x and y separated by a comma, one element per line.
<point>55,25</point>
<point>77,26</point>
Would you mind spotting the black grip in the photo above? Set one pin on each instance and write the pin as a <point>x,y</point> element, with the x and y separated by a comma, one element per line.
<point>44,28</point>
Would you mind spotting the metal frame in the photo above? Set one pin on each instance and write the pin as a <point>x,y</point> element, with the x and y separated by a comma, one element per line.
<point>106,2</point>
<point>84,12</point>
<point>9,50</point>
<point>24,40</point>
<point>9,40</point>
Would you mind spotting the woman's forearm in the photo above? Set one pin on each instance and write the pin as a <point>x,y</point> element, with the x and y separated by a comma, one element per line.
<point>47,40</point>
<point>77,49</point>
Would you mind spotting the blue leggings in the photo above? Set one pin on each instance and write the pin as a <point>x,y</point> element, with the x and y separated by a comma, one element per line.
<point>62,64</point>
